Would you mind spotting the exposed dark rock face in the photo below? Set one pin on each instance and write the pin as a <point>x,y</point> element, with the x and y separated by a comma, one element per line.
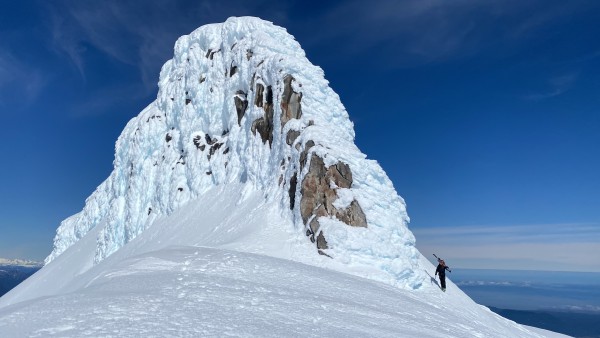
<point>214,148</point>
<point>318,187</point>
<point>241,104</point>
<point>198,142</point>
<point>264,125</point>
<point>321,243</point>
<point>210,140</point>
<point>292,191</point>
<point>343,175</point>
<point>318,196</point>
<point>210,53</point>
<point>291,136</point>
<point>353,215</point>
<point>258,100</point>
<point>304,153</point>
<point>290,102</point>
<point>269,98</point>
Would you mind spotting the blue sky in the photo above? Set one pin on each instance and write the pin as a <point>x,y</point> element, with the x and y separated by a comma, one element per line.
<point>485,114</point>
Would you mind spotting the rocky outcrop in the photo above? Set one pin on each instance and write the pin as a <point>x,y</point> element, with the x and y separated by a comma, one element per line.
<point>318,189</point>
<point>291,136</point>
<point>264,125</point>
<point>304,154</point>
<point>241,104</point>
<point>292,191</point>
<point>258,99</point>
<point>290,102</point>
<point>318,192</point>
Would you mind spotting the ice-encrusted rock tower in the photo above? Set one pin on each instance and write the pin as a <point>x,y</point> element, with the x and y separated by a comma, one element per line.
<point>240,102</point>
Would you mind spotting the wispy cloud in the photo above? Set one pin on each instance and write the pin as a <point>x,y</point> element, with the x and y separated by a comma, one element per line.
<point>134,32</point>
<point>557,86</point>
<point>428,31</point>
<point>492,283</point>
<point>577,308</point>
<point>569,247</point>
<point>20,84</point>
<point>64,41</point>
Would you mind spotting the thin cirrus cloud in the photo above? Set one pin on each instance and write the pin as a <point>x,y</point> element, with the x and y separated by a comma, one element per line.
<point>411,32</point>
<point>552,247</point>
<point>20,84</point>
<point>416,32</point>
<point>428,29</point>
<point>134,33</point>
<point>106,27</point>
<point>558,85</point>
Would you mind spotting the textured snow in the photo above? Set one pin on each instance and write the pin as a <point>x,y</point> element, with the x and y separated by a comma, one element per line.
<point>200,272</point>
<point>158,167</point>
<point>199,292</point>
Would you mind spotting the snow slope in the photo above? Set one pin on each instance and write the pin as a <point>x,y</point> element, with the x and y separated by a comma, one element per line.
<point>201,228</point>
<point>193,292</point>
<point>202,272</point>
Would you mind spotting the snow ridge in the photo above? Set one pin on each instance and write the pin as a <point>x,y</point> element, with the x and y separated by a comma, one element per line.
<point>221,117</point>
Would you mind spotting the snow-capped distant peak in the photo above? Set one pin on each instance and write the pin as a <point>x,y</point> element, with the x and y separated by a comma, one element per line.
<point>20,262</point>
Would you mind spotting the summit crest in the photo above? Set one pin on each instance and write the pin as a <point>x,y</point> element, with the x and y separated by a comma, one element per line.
<point>239,102</point>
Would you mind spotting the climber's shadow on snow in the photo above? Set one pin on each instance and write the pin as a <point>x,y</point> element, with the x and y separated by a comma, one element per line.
<point>432,279</point>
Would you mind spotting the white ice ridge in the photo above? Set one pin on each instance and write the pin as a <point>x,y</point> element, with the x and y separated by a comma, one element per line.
<point>193,137</point>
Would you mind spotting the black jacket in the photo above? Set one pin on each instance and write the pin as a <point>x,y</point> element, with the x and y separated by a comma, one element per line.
<point>441,270</point>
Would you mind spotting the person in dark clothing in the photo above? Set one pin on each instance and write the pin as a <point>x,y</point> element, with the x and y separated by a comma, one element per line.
<point>441,270</point>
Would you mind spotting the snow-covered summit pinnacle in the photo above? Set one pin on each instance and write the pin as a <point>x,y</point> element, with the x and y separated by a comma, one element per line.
<point>240,103</point>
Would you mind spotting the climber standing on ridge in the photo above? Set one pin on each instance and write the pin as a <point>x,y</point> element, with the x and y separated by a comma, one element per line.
<point>441,270</point>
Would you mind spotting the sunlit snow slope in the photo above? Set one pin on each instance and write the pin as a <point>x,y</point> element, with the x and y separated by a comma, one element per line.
<point>200,272</point>
<point>239,205</point>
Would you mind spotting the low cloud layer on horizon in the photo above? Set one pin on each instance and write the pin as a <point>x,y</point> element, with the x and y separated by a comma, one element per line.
<point>549,247</point>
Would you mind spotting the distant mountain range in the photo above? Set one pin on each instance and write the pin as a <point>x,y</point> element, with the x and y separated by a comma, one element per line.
<point>20,262</point>
<point>14,271</point>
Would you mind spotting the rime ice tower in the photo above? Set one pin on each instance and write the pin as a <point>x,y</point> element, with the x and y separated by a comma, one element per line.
<point>240,102</point>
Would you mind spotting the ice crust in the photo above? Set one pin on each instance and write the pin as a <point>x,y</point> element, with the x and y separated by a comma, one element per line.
<point>159,165</point>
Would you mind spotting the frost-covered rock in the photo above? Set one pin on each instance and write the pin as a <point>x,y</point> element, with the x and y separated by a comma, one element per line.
<point>240,102</point>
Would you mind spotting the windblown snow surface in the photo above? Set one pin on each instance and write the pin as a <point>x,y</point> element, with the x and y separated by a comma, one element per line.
<point>197,231</point>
